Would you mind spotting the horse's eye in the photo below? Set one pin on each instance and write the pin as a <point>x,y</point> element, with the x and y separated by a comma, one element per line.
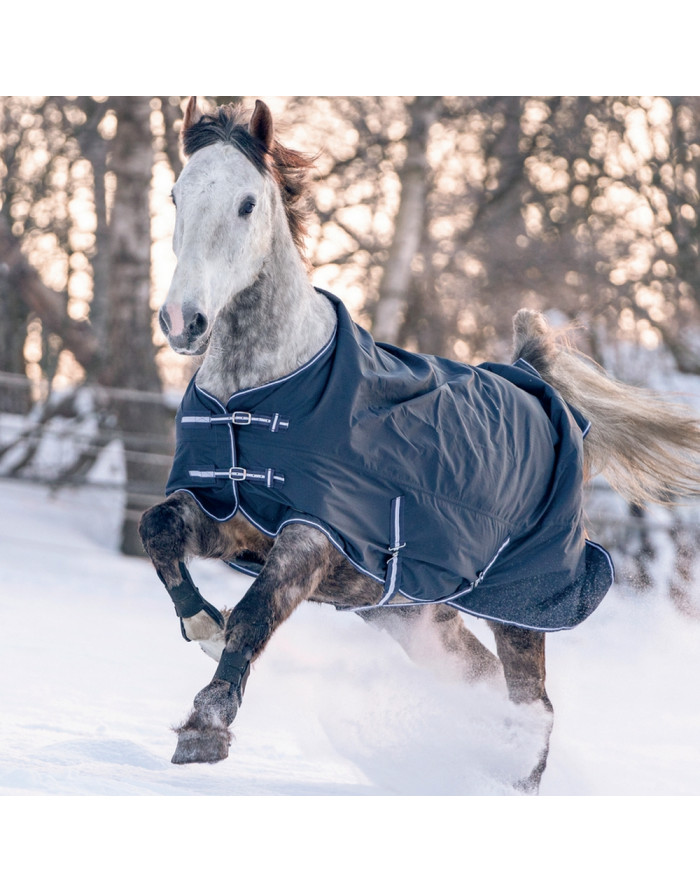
<point>246,208</point>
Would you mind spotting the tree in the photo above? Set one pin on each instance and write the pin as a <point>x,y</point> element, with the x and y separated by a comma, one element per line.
<point>128,334</point>
<point>409,225</point>
<point>583,205</point>
<point>56,151</point>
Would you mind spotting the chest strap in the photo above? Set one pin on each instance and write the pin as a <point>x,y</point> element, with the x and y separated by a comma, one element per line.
<point>268,477</point>
<point>274,422</point>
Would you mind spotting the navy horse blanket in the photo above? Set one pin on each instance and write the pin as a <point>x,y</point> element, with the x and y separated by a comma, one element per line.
<point>440,480</point>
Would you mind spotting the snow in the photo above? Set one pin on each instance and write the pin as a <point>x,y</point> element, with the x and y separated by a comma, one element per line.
<point>95,673</point>
<point>99,673</point>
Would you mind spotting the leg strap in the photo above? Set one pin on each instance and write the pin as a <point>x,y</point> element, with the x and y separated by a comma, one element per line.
<point>188,601</point>
<point>235,669</point>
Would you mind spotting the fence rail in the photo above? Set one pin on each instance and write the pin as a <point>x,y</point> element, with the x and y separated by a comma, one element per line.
<point>57,439</point>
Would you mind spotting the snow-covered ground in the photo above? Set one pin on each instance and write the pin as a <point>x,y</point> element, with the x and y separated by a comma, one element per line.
<point>351,766</point>
<point>95,673</point>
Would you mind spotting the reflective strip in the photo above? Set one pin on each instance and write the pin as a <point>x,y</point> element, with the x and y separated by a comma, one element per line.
<point>267,476</point>
<point>528,366</point>
<point>391,582</point>
<point>480,576</point>
<point>448,599</point>
<point>241,418</point>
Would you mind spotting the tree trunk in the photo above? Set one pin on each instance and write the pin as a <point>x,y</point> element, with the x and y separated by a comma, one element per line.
<point>14,397</point>
<point>20,277</point>
<point>129,351</point>
<point>410,221</point>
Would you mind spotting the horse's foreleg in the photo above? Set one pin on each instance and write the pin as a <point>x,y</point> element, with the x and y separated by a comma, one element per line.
<point>173,532</point>
<point>521,652</point>
<point>299,559</point>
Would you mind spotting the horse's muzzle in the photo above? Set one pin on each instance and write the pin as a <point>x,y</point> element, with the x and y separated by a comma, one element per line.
<point>186,332</point>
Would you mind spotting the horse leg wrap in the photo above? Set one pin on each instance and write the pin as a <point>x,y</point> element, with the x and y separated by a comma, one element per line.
<point>188,601</point>
<point>235,669</point>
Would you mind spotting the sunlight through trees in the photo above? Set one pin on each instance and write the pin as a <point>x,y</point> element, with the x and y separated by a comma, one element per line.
<point>434,219</point>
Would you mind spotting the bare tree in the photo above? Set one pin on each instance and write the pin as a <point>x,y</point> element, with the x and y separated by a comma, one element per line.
<point>130,354</point>
<point>409,225</point>
<point>114,343</point>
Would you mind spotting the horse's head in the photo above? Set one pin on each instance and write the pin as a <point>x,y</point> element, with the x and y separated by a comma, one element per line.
<point>225,201</point>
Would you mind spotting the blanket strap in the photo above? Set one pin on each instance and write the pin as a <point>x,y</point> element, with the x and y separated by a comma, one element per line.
<point>274,423</point>
<point>269,477</point>
<point>393,567</point>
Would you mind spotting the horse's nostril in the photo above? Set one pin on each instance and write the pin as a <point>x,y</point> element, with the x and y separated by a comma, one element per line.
<point>198,325</point>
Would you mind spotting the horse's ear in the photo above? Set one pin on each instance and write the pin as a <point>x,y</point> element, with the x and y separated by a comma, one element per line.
<point>192,114</point>
<point>261,124</point>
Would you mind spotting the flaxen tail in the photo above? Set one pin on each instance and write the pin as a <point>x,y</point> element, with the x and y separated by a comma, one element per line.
<point>647,448</point>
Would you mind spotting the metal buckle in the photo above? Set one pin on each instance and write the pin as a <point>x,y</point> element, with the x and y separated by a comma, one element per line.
<point>242,418</point>
<point>238,474</point>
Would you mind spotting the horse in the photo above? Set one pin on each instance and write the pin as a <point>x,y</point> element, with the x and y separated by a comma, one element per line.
<point>241,301</point>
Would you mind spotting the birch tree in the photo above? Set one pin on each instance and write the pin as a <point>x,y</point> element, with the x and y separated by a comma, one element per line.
<point>409,226</point>
<point>130,353</point>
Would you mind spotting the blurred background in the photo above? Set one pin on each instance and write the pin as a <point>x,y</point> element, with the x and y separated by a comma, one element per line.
<point>433,218</point>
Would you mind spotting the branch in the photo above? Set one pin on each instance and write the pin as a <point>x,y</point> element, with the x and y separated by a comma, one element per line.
<point>172,115</point>
<point>49,305</point>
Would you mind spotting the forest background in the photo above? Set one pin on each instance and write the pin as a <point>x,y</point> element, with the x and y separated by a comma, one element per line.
<point>433,217</point>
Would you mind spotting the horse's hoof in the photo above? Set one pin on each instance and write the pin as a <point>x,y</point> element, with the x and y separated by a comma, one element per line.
<point>201,746</point>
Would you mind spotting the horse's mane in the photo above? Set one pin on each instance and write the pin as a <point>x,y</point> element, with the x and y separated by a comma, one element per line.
<point>228,124</point>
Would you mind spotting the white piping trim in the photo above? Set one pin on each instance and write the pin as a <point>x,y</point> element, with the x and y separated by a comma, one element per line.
<point>539,628</point>
<point>316,525</point>
<point>378,579</point>
<point>496,619</point>
<point>393,568</point>
<point>448,598</point>
<point>607,556</point>
<point>529,365</point>
<point>302,368</point>
<point>248,572</point>
<point>398,502</point>
<point>357,566</point>
<point>201,506</point>
<point>328,534</point>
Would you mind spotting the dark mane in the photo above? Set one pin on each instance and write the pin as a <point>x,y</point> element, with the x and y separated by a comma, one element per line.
<point>228,124</point>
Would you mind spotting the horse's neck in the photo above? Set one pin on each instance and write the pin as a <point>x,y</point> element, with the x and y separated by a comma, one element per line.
<point>268,331</point>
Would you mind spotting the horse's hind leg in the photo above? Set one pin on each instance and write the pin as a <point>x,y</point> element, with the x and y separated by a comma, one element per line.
<point>521,652</point>
<point>435,635</point>
<point>173,532</point>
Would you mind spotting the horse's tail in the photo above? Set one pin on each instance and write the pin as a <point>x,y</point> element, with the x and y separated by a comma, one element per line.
<point>647,448</point>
